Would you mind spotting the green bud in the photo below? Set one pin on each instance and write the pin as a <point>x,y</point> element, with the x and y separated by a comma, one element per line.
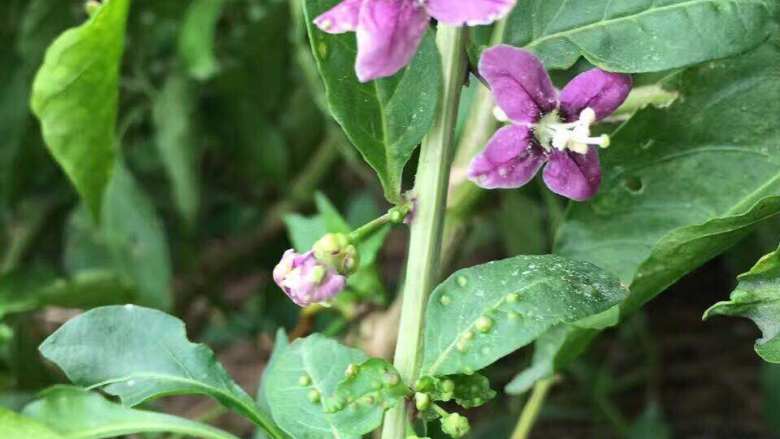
<point>455,425</point>
<point>91,6</point>
<point>425,384</point>
<point>352,370</point>
<point>447,385</point>
<point>422,401</point>
<point>335,250</point>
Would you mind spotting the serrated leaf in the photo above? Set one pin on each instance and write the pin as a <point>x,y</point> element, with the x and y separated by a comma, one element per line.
<point>75,412</point>
<point>140,354</point>
<point>637,36</point>
<point>681,185</point>
<point>302,385</point>
<point>385,119</point>
<point>75,96</point>
<point>757,297</point>
<point>196,38</point>
<point>15,426</point>
<point>483,313</point>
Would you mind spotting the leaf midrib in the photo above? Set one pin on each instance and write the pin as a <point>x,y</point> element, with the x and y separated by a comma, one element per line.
<point>652,10</point>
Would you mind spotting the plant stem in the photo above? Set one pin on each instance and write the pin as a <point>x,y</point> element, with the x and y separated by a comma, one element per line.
<point>532,408</point>
<point>395,215</point>
<point>430,190</point>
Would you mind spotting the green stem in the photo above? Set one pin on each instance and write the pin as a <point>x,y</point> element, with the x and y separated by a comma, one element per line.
<point>393,216</point>
<point>430,191</point>
<point>532,407</point>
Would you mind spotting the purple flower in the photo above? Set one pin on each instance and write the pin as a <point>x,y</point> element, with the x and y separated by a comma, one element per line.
<point>389,31</point>
<point>306,280</point>
<point>545,126</point>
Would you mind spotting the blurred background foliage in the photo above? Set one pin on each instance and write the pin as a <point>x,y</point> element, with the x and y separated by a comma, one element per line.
<point>224,143</point>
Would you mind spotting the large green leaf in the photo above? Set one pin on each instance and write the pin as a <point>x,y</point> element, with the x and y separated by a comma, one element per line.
<point>75,96</point>
<point>683,184</point>
<point>14,426</point>
<point>636,35</point>
<point>318,388</point>
<point>680,186</point>
<point>139,354</point>
<point>384,119</point>
<point>78,413</point>
<point>483,313</point>
<point>757,297</point>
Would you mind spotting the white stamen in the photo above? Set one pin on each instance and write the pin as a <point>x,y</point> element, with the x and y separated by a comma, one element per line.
<point>574,136</point>
<point>500,115</point>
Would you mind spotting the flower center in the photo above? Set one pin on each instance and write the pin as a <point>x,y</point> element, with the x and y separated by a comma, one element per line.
<point>574,136</point>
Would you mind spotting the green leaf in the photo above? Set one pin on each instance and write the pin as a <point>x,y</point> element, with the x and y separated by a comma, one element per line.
<point>483,313</point>
<point>196,38</point>
<point>171,113</point>
<point>681,185</point>
<point>307,387</point>
<point>135,237</point>
<point>140,354</point>
<point>75,96</point>
<point>14,426</point>
<point>78,413</point>
<point>757,297</point>
<point>385,119</point>
<point>637,36</point>
<point>650,425</point>
<point>467,390</point>
<point>28,291</point>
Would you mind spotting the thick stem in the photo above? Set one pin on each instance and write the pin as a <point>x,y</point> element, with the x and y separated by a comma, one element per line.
<point>430,192</point>
<point>532,408</point>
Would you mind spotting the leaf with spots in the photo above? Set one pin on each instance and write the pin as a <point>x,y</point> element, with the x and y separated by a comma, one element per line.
<point>139,354</point>
<point>385,119</point>
<point>757,297</point>
<point>466,390</point>
<point>637,35</point>
<point>318,388</point>
<point>483,313</point>
<point>681,185</point>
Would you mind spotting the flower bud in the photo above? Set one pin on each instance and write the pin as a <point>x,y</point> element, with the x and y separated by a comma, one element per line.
<point>455,425</point>
<point>335,250</point>
<point>422,401</point>
<point>306,280</point>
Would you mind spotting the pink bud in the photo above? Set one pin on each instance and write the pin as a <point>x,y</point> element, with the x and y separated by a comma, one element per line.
<point>306,280</point>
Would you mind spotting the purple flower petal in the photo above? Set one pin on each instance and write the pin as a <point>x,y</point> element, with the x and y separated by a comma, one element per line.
<point>470,12</point>
<point>601,91</point>
<point>388,34</point>
<point>341,18</point>
<point>573,175</point>
<point>519,82</point>
<point>509,160</point>
<point>306,280</point>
